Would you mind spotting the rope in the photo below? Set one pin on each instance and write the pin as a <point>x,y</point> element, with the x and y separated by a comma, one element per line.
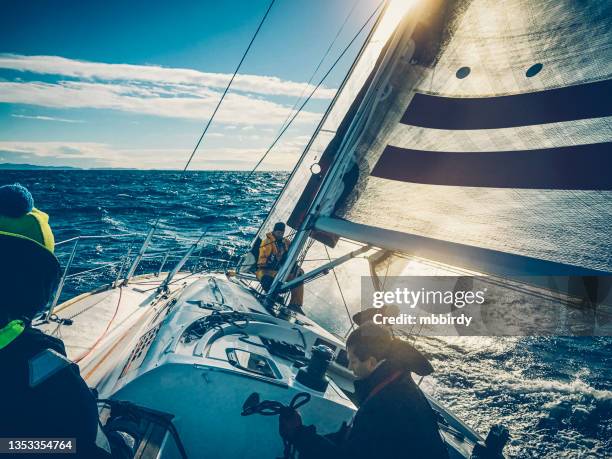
<point>61,321</point>
<point>272,407</point>
<point>215,320</point>
<point>95,344</point>
<point>348,313</point>
<point>252,405</point>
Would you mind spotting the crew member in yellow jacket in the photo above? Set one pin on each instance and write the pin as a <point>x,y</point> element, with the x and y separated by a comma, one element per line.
<point>272,252</point>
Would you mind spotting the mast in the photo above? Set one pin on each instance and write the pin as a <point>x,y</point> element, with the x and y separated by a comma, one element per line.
<point>375,91</point>
<point>330,109</point>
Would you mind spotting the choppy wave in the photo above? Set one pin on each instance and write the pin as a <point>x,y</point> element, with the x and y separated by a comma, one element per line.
<point>554,393</point>
<point>575,387</point>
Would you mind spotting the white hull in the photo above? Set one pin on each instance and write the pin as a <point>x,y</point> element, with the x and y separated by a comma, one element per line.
<point>143,357</point>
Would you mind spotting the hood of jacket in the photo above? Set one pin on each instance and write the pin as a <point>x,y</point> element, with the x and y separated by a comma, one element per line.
<point>401,357</point>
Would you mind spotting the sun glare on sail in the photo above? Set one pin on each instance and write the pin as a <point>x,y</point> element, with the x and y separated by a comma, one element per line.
<point>394,13</point>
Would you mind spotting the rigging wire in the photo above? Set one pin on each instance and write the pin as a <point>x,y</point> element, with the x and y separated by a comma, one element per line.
<point>319,128</point>
<point>348,313</point>
<point>291,120</point>
<point>210,120</point>
<point>320,63</point>
<point>280,134</point>
<point>288,124</point>
<point>284,129</point>
<point>367,21</point>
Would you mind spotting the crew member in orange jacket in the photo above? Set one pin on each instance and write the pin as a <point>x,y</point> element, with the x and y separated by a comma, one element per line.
<point>272,252</point>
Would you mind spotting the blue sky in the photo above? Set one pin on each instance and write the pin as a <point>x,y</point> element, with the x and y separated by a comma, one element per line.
<point>132,84</point>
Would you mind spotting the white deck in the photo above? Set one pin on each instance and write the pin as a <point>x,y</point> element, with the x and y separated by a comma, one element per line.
<point>112,318</point>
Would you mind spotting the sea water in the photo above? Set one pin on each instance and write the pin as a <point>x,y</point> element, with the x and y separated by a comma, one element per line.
<point>553,393</point>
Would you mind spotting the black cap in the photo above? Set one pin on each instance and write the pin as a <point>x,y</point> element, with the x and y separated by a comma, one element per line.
<point>279,226</point>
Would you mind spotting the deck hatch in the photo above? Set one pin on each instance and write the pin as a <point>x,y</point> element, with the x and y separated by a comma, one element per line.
<point>252,362</point>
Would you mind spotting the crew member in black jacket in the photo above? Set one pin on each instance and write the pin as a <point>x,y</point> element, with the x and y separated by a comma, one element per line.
<point>42,393</point>
<point>394,419</point>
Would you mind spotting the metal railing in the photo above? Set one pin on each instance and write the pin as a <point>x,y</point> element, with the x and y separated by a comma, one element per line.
<point>129,265</point>
<point>104,236</point>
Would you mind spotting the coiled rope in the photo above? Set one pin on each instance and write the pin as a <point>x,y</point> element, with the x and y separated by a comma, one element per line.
<point>252,405</point>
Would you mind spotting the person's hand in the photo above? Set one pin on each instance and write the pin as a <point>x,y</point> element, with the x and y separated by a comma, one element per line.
<point>289,422</point>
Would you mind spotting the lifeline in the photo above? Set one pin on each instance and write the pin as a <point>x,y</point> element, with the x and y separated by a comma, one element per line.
<point>433,319</point>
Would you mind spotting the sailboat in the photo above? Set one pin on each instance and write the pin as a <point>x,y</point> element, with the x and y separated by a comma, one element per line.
<point>501,103</point>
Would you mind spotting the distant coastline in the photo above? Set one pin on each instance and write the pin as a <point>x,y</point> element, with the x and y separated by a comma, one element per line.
<point>27,167</point>
<point>32,167</point>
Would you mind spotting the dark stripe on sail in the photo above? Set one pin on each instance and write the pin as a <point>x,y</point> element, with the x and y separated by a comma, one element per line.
<point>580,167</point>
<point>554,105</point>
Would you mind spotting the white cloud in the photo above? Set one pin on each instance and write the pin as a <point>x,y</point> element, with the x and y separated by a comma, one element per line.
<point>237,108</point>
<point>46,118</point>
<point>89,150</point>
<point>86,154</point>
<point>154,91</point>
<point>187,78</point>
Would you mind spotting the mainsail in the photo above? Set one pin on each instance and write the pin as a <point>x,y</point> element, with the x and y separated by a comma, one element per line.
<point>481,129</point>
<point>470,137</point>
